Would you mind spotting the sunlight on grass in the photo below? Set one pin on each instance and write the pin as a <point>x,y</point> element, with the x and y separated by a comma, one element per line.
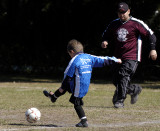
<point>16,98</point>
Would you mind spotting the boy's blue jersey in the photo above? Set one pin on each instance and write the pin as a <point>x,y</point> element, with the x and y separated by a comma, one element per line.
<point>80,69</point>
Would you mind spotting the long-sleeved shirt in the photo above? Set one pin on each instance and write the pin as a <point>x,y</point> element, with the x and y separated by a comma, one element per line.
<point>78,72</point>
<point>126,38</point>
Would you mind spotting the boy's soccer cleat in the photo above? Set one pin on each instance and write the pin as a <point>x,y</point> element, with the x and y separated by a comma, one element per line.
<point>46,93</point>
<point>82,123</point>
<point>134,97</point>
<point>50,96</point>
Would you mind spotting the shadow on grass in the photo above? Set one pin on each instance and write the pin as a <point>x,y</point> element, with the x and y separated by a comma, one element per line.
<point>34,125</point>
<point>72,106</point>
<point>96,107</point>
<point>151,87</point>
<point>29,78</point>
<point>49,79</point>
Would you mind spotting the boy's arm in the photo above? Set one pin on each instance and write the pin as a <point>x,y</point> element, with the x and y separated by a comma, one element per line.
<point>100,61</point>
<point>110,60</point>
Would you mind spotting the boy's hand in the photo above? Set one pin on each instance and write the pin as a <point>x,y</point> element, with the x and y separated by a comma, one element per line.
<point>119,61</point>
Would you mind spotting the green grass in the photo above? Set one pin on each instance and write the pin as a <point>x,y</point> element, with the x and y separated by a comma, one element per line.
<point>17,97</point>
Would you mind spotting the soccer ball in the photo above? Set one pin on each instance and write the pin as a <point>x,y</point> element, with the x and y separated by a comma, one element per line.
<point>33,115</point>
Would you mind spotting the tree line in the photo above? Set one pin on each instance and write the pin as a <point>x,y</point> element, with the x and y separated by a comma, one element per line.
<point>34,33</point>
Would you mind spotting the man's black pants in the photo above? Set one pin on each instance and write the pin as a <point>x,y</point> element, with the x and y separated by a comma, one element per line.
<point>122,74</point>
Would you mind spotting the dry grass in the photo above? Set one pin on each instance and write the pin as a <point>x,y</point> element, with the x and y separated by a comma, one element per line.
<point>17,97</point>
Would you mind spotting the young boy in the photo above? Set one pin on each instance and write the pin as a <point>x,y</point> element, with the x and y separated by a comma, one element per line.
<point>77,77</point>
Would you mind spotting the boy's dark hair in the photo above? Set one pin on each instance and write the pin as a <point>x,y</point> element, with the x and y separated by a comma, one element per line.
<point>75,45</point>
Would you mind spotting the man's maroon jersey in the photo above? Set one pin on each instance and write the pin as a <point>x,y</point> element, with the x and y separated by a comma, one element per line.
<point>126,37</point>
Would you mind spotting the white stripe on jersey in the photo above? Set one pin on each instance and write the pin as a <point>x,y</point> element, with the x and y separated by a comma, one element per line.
<point>70,63</point>
<point>146,26</point>
<point>86,72</point>
<point>102,57</point>
<point>77,84</point>
<point>139,48</point>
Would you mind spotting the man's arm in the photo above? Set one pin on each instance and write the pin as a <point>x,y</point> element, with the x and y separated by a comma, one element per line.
<point>106,36</point>
<point>147,32</point>
<point>153,52</point>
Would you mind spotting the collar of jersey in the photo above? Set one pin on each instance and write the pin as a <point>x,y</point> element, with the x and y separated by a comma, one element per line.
<point>123,22</point>
<point>79,53</point>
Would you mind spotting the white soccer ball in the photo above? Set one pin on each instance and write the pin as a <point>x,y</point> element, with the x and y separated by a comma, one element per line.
<point>33,115</point>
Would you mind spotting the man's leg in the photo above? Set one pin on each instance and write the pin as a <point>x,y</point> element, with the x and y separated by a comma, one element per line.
<point>134,90</point>
<point>122,83</point>
<point>115,77</point>
<point>120,93</point>
<point>119,81</point>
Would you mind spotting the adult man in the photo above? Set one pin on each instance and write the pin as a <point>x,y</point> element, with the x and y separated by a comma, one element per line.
<point>125,34</point>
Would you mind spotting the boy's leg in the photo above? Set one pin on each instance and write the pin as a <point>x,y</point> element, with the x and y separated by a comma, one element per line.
<point>82,117</point>
<point>55,95</point>
<point>78,103</point>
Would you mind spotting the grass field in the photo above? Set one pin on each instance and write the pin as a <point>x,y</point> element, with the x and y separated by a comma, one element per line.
<point>16,97</point>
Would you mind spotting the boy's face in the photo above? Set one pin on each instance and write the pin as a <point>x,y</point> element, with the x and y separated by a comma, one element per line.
<point>71,53</point>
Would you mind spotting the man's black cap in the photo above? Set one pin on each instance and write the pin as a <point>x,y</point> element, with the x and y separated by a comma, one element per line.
<point>122,7</point>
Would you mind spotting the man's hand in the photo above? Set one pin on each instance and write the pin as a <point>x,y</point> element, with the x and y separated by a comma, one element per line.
<point>104,44</point>
<point>153,54</point>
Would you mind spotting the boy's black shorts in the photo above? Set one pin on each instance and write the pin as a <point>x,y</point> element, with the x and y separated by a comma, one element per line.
<point>66,87</point>
<point>76,101</point>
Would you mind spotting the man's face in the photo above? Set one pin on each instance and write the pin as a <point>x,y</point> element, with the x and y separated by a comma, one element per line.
<point>124,16</point>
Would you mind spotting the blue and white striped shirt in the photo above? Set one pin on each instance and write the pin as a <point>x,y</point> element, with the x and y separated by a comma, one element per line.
<point>80,69</point>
